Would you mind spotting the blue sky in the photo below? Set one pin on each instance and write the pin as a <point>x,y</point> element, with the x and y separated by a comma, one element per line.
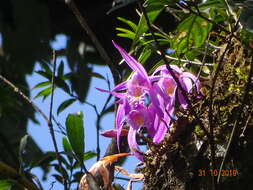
<point>41,132</point>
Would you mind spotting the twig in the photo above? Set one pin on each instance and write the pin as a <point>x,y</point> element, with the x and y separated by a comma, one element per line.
<point>18,91</point>
<point>239,112</point>
<point>187,61</point>
<point>72,6</point>
<point>50,125</point>
<point>247,122</point>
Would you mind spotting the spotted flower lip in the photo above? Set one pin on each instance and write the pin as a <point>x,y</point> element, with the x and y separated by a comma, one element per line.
<point>148,101</point>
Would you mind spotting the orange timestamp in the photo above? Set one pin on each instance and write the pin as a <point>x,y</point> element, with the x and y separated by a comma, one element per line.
<point>215,172</point>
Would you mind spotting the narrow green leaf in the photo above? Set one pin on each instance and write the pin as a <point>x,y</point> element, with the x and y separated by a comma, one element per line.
<point>89,155</point>
<point>45,66</point>
<point>142,25</point>
<point>65,104</point>
<point>75,133</point>
<point>125,35</point>
<point>42,84</point>
<point>129,23</point>
<point>45,93</point>
<point>128,33</point>
<point>145,54</point>
<point>66,145</point>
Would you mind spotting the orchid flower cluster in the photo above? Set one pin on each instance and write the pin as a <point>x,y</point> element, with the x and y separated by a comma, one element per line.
<point>148,101</point>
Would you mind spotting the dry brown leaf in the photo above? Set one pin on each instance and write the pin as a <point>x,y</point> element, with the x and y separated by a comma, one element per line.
<point>100,168</point>
<point>138,176</point>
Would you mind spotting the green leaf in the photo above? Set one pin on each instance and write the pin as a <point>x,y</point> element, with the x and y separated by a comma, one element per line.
<point>67,149</point>
<point>75,133</point>
<point>42,84</point>
<point>44,74</point>
<point>142,25</point>
<point>132,25</point>
<point>126,33</point>
<point>145,54</point>
<point>191,33</point>
<point>45,93</point>
<point>218,4</point>
<point>5,184</point>
<point>45,66</point>
<point>89,155</point>
<point>66,145</point>
<point>65,104</point>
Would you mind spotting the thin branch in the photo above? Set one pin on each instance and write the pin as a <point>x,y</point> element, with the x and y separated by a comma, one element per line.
<point>247,122</point>
<point>50,125</point>
<point>186,61</point>
<point>18,91</point>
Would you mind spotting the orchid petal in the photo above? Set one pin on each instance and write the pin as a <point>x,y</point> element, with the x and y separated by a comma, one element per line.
<point>186,84</point>
<point>194,79</point>
<point>133,144</point>
<point>160,134</point>
<point>182,100</point>
<point>116,94</point>
<point>121,86</point>
<point>112,133</point>
<point>119,123</point>
<point>135,65</point>
<point>154,97</point>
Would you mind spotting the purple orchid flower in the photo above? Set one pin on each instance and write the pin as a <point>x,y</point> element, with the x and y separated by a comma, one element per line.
<point>169,86</point>
<point>148,101</point>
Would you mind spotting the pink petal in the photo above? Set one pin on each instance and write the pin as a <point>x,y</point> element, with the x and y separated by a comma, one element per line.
<point>116,94</point>
<point>135,65</point>
<point>133,144</point>
<point>112,133</point>
<point>121,86</point>
<point>119,123</point>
